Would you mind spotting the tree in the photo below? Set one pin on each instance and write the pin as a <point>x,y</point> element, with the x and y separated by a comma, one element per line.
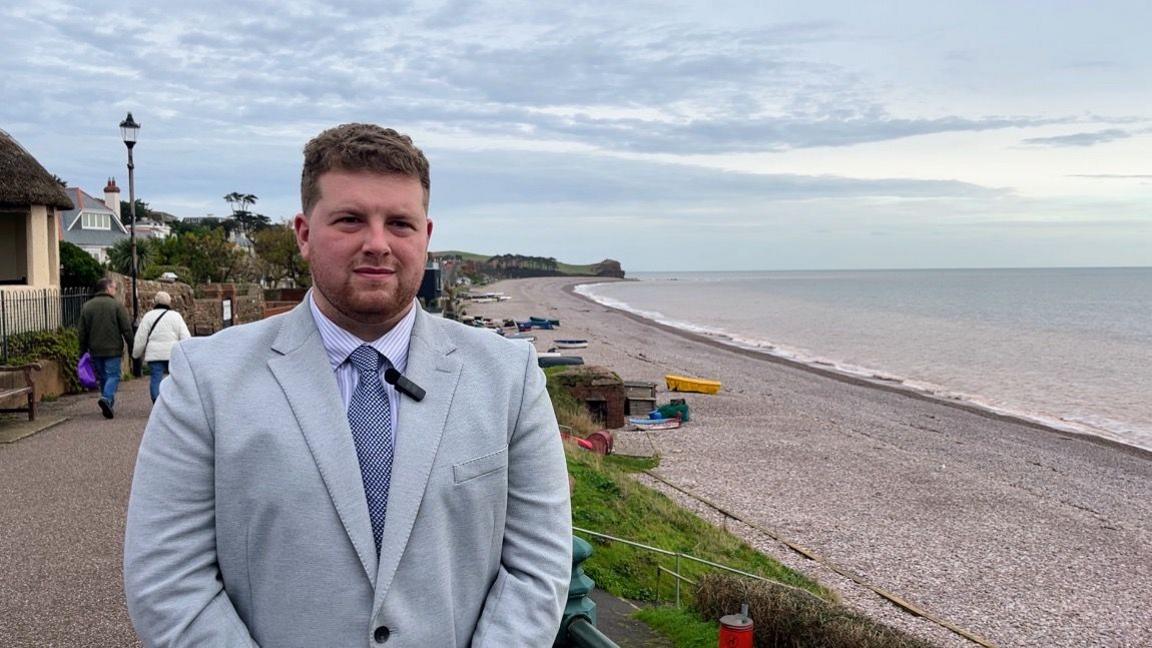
<point>77,267</point>
<point>240,202</point>
<point>120,255</point>
<point>249,223</point>
<point>244,220</point>
<point>209,256</point>
<point>203,225</point>
<point>143,212</point>
<point>280,256</point>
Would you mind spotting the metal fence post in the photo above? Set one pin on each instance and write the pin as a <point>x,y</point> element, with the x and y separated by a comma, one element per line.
<point>657,585</point>
<point>4,325</point>
<point>678,575</point>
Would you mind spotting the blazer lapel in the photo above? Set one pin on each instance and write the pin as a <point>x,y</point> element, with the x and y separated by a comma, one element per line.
<point>305,375</point>
<point>419,428</point>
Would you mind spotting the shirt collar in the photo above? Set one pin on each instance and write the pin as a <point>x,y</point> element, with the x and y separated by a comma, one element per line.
<point>339,343</point>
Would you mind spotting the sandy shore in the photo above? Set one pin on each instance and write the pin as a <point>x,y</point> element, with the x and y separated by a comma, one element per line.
<point>1018,534</point>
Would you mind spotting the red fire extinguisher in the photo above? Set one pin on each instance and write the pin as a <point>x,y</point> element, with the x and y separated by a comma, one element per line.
<point>736,629</point>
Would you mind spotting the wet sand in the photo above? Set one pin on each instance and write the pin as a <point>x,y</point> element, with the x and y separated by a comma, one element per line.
<point>1020,534</point>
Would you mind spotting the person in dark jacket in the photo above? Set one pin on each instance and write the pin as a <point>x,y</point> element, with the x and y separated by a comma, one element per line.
<point>104,330</point>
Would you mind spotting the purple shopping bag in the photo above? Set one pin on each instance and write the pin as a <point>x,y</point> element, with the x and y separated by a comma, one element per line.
<point>86,372</point>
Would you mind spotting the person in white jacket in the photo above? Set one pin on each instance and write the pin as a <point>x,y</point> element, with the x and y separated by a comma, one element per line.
<point>160,330</point>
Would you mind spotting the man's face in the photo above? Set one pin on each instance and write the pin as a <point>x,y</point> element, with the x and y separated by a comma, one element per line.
<point>366,240</point>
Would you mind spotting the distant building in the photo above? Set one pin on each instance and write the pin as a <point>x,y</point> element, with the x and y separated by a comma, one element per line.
<point>94,225</point>
<point>30,200</point>
<point>196,221</point>
<point>152,229</point>
<point>241,240</point>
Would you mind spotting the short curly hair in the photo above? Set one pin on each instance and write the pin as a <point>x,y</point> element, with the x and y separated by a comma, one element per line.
<point>360,147</point>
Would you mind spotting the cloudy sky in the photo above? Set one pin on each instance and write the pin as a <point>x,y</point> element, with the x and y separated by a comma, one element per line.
<point>667,135</point>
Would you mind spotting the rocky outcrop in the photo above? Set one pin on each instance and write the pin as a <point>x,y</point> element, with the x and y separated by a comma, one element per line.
<point>608,268</point>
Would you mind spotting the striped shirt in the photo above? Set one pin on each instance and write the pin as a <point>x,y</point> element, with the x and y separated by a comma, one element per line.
<point>340,344</point>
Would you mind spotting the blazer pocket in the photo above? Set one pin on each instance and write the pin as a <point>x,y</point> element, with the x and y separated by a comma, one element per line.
<point>480,466</point>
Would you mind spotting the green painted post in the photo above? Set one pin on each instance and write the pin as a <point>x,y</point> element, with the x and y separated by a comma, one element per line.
<point>580,609</point>
<point>579,603</point>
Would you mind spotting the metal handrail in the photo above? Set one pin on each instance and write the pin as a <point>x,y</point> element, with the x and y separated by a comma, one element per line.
<point>582,634</point>
<point>675,575</point>
<point>627,542</point>
<point>678,555</point>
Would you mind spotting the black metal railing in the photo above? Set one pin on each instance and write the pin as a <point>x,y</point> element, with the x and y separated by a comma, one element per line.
<point>38,309</point>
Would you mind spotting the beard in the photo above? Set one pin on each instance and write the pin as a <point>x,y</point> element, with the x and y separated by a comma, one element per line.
<point>366,302</point>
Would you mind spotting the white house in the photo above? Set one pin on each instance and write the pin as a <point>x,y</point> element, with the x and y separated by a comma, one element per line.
<point>151,229</point>
<point>94,225</point>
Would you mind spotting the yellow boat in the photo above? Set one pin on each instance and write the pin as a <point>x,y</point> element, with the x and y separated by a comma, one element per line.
<point>686,384</point>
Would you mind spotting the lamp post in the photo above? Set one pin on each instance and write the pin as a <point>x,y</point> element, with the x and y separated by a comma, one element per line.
<point>128,130</point>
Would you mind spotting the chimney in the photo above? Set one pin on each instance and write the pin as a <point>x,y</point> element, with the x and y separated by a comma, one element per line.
<point>112,196</point>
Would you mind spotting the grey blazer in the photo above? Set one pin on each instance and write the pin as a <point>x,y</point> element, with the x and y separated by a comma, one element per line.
<point>248,525</point>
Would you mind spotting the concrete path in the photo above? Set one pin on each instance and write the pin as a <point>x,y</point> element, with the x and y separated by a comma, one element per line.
<point>63,495</point>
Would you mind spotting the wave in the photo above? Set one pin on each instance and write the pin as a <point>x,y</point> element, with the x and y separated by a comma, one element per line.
<point>1093,425</point>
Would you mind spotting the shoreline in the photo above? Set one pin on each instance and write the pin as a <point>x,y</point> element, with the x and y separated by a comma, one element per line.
<point>988,522</point>
<point>852,379</point>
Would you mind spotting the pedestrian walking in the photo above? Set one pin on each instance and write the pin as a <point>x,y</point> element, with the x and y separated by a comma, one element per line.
<point>105,329</point>
<point>160,329</point>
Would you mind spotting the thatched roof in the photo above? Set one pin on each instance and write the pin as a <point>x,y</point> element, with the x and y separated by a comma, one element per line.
<point>23,181</point>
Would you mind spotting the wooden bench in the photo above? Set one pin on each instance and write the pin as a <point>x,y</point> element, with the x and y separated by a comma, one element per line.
<point>29,387</point>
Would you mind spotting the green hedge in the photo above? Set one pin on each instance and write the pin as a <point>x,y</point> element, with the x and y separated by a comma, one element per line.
<point>61,345</point>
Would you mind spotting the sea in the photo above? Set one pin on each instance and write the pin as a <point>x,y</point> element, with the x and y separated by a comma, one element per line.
<point>1070,348</point>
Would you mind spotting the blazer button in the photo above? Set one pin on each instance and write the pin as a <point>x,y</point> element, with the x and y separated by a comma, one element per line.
<point>381,634</point>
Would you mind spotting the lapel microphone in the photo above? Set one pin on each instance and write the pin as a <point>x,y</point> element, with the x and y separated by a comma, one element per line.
<point>403,385</point>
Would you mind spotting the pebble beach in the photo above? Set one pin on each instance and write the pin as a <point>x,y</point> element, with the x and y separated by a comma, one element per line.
<point>1012,533</point>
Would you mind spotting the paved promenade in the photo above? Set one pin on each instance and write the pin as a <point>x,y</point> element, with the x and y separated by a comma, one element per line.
<point>63,495</point>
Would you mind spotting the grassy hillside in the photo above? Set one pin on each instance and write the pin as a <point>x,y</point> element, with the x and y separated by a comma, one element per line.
<point>467,256</point>
<point>565,268</point>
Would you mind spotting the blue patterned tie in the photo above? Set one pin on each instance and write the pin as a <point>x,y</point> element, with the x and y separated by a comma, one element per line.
<point>370,417</point>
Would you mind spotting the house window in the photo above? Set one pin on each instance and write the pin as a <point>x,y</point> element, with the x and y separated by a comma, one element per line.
<point>96,252</point>
<point>95,221</point>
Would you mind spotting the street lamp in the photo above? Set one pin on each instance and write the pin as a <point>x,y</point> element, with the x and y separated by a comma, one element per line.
<point>128,130</point>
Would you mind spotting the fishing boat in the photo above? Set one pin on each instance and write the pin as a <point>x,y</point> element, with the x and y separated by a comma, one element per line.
<point>688,384</point>
<point>545,360</point>
<point>654,424</point>
<point>571,344</point>
<point>521,336</point>
<point>544,320</point>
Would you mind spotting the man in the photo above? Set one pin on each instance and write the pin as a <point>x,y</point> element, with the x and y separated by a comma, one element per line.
<point>285,496</point>
<point>104,330</point>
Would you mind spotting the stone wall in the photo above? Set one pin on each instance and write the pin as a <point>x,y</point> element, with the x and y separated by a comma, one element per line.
<point>202,307</point>
<point>247,306</point>
<point>183,300</point>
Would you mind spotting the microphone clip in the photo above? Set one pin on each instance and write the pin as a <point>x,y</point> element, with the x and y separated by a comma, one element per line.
<point>403,385</point>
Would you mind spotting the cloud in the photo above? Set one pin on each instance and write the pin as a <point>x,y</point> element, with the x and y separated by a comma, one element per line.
<point>606,82</point>
<point>1113,176</point>
<point>1091,65</point>
<point>570,113</point>
<point>1080,139</point>
<point>463,180</point>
